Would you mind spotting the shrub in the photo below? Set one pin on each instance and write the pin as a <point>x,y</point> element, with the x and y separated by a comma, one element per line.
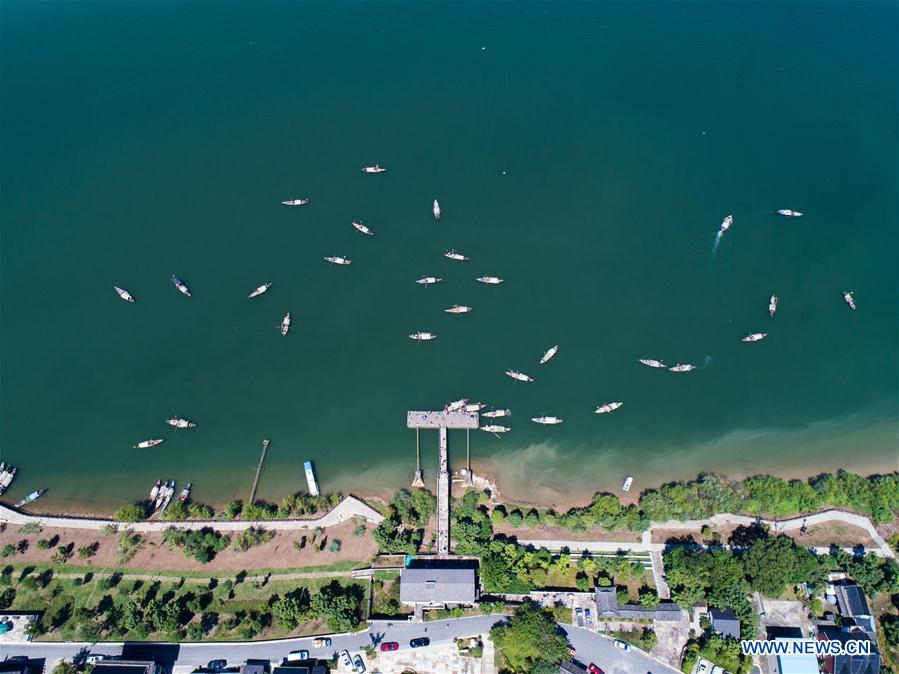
<point>133,512</point>
<point>334,546</point>
<point>249,538</point>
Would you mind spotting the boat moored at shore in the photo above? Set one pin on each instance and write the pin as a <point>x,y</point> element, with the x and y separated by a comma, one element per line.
<point>474,407</point>
<point>178,422</point>
<point>628,481</point>
<point>33,496</point>
<point>154,492</point>
<point>495,428</point>
<point>185,494</point>
<point>455,406</point>
<point>180,285</point>
<point>423,336</point>
<point>755,337</point>
<point>850,299</point>
<point>520,376</point>
<point>310,478</point>
<point>261,289</point>
<point>495,414</point>
<point>608,407</point>
<point>124,294</point>
<point>652,362</point>
<point>549,353</point>
<point>161,494</point>
<point>146,444</point>
<point>7,474</point>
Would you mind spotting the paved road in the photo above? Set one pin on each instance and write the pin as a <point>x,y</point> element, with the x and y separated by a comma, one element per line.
<point>347,509</point>
<point>593,647</point>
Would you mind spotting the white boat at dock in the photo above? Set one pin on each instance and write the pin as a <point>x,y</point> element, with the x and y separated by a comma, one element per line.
<point>285,324</point>
<point>489,280</point>
<point>124,294</point>
<point>261,289</point>
<point>170,492</point>
<point>161,494</point>
<point>179,284</point>
<point>178,422</point>
<point>495,414</point>
<point>628,481</point>
<point>520,376</point>
<point>755,337</point>
<point>377,168</point>
<point>423,336</point>
<point>362,228</point>
<point>652,362</point>
<point>788,212</point>
<point>474,407</point>
<point>549,353</point>
<point>310,478</point>
<point>495,428</point>
<point>682,367</point>
<point>547,421</point>
<point>33,496</point>
<point>453,255</point>
<point>436,210</point>
<point>428,280</point>
<point>455,406</point>
<point>7,473</point>
<point>458,309</point>
<point>608,407</point>
<point>337,259</point>
<point>850,300</point>
<point>772,305</point>
<point>295,202</point>
<point>154,492</point>
<point>725,225</point>
<point>185,493</point>
<point>146,444</point>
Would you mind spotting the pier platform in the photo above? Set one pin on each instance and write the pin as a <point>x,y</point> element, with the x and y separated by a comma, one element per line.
<point>435,420</point>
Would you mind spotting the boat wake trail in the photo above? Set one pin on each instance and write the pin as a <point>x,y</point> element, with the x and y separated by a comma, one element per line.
<point>715,245</point>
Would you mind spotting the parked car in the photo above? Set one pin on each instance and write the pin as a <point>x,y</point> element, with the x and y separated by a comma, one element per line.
<point>420,642</point>
<point>358,665</point>
<point>295,656</point>
<point>322,642</point>
<point>346,660</point>
<point>717,670</point>
<point>216,664</point>
<point>593,669</point>
<point>589,617</point>
<point>579,614</point>
<point>390,646</point>
<point>623,646</point>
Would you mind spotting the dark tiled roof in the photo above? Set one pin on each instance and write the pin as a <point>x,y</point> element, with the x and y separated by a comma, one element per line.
<point>437,586</point>
<point>725,622</point>
<point>851,599</point>
<point>607,606</point>
<point>857,664</point>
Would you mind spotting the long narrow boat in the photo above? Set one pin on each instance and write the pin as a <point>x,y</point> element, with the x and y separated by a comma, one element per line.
<point>436,210</point>
<point>682,367</point>
<point>154,492</point>
<point>261,289</point>
<point>373,169</point>
<point>423,336</point>
<point>520,376</point>
<point>285,324</point>
<point>453,255</point>
<point>495,428</point>
<point>455,406</point>
<point>124,294</point>
<point>160,496</point>
<point>337,259</point>
<point>493,414</point>
<point>474,407</point>
<point>755,337</point>
<point>489,280</point>
<point>170,492</point>
<point>788,212</point>
<point>362,228</point>
<point>295,202</point>
<point>178,422</point>
<point>179,284</point>
<point>850,299</point>
<point>428,280</point>
<point>33,496</point>
<point>549,353</point>
<point>608,407</point>
<point>146,444</point>
<point>772,305</point>
<point>310,478</point>
<point>652,362</point>
<point>458,309</point>
<point>547,421</point>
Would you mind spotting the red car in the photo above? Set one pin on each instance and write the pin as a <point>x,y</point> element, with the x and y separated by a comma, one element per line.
<point>390,646</point>
<point>593,669</point>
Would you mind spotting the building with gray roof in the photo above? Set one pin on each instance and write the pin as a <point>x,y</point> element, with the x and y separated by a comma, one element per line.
<point>441,586</point>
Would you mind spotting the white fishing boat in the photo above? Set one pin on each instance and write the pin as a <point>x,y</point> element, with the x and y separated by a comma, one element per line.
<point>436,210</point>
<point>628,481</point>
<point>146,444</point>
<point>788,212</point>
<point>850,300</point>
<point>458,309</point>
<point>178,422</point>
<point>547,421</point>
<point>495,414</point>
<point>474,407</point>
<point>549,353</point>
<point>453,255</point>
<point>124,294</point>
<point>725,225</point>
<point>163,491</point>
<point>261,289</point>
<point>423,336</point>
<point>170,492</point>
<point>295,202</point>
<point>495,428</point>
<point>428,280</point>
<point>652,362</point>
<point>154,492</point>
<point>373,169</point>
<point>455,406</point>
<point>362,228</point>
<point>772,305</point>
<point>7,473</point>
<point>285,324</point>
<point>755,337</point>
<point>33,496</point>
<point>489,280</point>
<point>179,284</point>
<point>608,407</point>
<point>185,493</point>
<point>336,259</point>
<point>310,478</point>
<point>682,367</point>
<point>520,376</point>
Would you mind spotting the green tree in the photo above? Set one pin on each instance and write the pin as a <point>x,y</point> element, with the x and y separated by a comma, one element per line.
<point>530,640</point>
<point>133,512</point>
<point>339,605</point>
<point>291,610</point>
<point>64,667</point>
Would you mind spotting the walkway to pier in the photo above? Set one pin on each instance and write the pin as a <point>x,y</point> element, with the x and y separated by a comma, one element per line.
<point>442,421</point>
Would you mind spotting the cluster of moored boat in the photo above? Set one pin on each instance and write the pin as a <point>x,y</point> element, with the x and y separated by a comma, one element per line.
<point>161,495</point>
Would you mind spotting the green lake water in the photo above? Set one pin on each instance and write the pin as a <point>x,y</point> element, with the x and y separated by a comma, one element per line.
<point>585,152</point>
